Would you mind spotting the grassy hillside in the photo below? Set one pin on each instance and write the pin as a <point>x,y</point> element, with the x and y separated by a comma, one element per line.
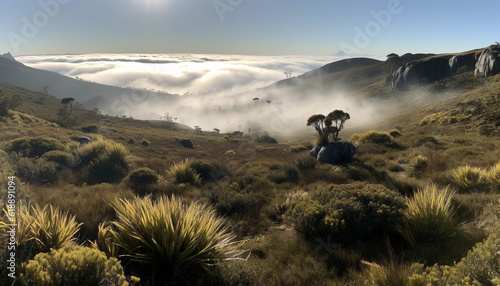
<point>288,220</point>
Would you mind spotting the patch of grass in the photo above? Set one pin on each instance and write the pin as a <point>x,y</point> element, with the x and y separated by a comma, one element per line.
<point>34,147</point>
<point>145,142</point>
<point>171,241</point>
<point>493,177</point>
<point>376,137</point>
<point>140,179</point>
<point>60,157</point>
<point>419,162</point>
<point>429,216</point>
<point>208,171</point>
<point>468,179</point>
<point>34,170</point>
<point>306,163</point>
<point>298,148</point>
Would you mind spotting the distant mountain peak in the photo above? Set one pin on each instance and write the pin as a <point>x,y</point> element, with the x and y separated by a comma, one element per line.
<point>8,56</point>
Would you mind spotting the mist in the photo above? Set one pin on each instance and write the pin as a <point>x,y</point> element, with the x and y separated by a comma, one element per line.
<point>218,91</point>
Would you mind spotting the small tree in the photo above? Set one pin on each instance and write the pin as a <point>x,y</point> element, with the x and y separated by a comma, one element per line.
<point>325,125</point>
<point>255,100</point>
<point>68,103</point>
<point>216,130</point>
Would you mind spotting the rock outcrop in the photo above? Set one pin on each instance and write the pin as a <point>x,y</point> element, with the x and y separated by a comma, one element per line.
<point>488,62</point>
<point>434,68</point>
<point>266,139</point>
<point>335,153</point>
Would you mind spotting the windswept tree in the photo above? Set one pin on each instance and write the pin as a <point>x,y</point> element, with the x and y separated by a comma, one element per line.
<point>329,126</point>
<point>216,130</point>
<point>255,100</point>
<point>67,108</point>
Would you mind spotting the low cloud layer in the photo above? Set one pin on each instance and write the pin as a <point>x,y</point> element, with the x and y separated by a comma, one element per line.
<point>178,73</point>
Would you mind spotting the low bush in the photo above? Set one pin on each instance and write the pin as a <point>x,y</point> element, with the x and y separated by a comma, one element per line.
<point>75,265</point>
<point>131,140</point>
<point>376,137</point>
<point>306,163</point>
<point>106,161</point>
<point>429,216</point>
<point>208,171</point>
<point>145,142</point>
<point>348,212</point>
<point>34,170</point>
<point>395,133</point>
<point>171,242</point>
<point>34,147</point>
<point>419,162</point>
<point>285,174</point>
<point>468,179</point>
<point>60,157</point>
<point>183,173</point>
<point>139,179</point>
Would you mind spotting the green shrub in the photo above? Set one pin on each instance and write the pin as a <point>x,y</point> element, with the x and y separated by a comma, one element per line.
<point>390,274</point>
<point>429,216</point>
<point>306,163</point>
<point>208,171</point>
<point>131,140</point>
<point>348,212</point>
<point>145,142</point>
<point>376,137</point>
<point>171,241</point>
<point>183,173</point>
<point>34,147</point>
<point>287,173</point>
<point>60,157</point>
<point>395,133</point>
<point>141,178</point>
<point>75,265</point>
<point>419,162</point>
<point>493,177</point>
<point>34,170</point>
<point>481,266</point>
<point>467,178</point>
<point>107,161</point>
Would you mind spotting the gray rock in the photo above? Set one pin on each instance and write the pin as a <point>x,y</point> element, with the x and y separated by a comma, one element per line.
<point>314,151</point>
<point>266,139</point>
<point>335,153</point>
<point>488,63</point>
<point>186,142</point>
<point>420,72</point>
<point>462,63</point>
<point>83,140</point>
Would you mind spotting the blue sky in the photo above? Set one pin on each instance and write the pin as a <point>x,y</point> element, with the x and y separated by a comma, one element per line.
<point>251,27</point>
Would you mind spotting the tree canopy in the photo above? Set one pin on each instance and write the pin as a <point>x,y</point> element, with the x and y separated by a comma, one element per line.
<point>329,126</point>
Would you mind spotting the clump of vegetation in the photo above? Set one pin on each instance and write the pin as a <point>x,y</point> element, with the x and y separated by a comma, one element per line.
<point>429,216</point>
<point>298,148</point>
<point>287,173</point>
<point>140,179</point>
<point>419,162</point>
<point>376,137</point>
<point>34,147</point>
<point>45,228</point>
<point>493,177</point>
<point>324,125</point>
<point>34,170</point>
<point>208,171</point>
<point>145,142</point>
<point>348,212</point>
<point>171,241</point>
<point>107,161</point>
<point>395,133</point>
<point>306,163</point>
<point>76,265</point>
<point>467,178</point>
<point>60,157</point>
<point>184,173</point>
<point>131,140</point>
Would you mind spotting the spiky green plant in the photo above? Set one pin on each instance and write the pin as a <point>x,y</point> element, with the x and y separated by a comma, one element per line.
<point>493,177</point>
<point>429,216</point>
<point>467,178</point>
<point>184,173</point>
<point>47,227</point>
<point>175,241</point>
<point>75,265</point>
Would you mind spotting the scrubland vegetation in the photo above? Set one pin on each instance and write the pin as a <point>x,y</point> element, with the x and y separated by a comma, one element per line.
<point>419,204</point>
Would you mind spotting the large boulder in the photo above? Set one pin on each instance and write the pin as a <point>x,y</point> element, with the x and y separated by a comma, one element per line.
<point>266,139</point>
<point>488,63</point>
<point>186,142</point>
<point>335,153</point>
<point>420,72</point>
<point>462,63</point>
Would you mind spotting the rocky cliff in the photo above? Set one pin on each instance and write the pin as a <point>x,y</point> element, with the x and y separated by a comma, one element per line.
<point>485,62</point>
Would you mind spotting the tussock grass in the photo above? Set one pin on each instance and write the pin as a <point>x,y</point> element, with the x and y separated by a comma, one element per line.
<point>493,177</point>
<point>468,179</point>
<point>373,136</point>
<point>429,216</point>
<point>174,240</point>
<point>47,227</point>
<point>183,173</point>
